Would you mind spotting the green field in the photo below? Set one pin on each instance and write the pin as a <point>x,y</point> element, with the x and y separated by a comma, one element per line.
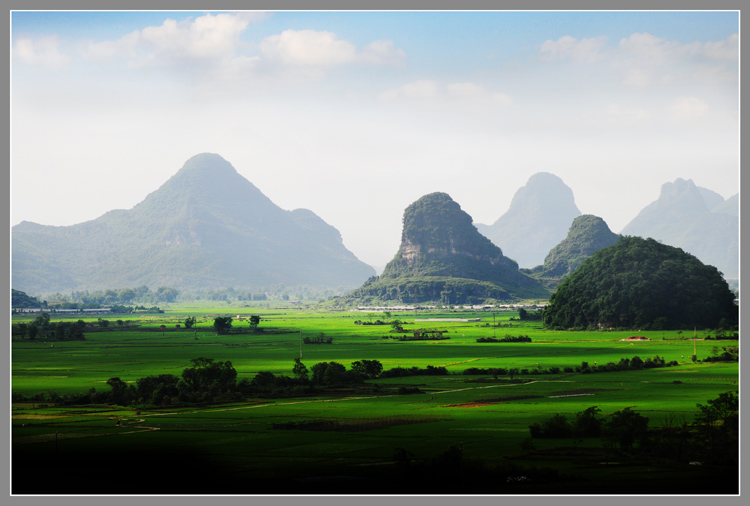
<point>240,447</point>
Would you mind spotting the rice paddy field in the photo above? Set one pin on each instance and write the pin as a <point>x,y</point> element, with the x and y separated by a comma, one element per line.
<point>466,434</point>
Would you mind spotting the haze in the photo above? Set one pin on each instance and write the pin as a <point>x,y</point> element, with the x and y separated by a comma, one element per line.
<point>355,115</point>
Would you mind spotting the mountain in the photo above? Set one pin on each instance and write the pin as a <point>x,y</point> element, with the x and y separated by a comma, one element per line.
<point>538,218</point>
<point>587,235</point>
<point>641,283</point>
<point>20,299</point>
<point>207,226</point>
<point>729,206</point>
<point>442,257</point>
<point>692,218</point>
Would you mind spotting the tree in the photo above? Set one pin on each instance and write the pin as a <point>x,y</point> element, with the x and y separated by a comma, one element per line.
<point>33,330</point>
<point>368,368</point>
<point>300,370</point>
<point>718,429</point>
<point>119,394</point>
<point>318,370</point>
<point>222,324</point>
<point>126,295</point>
<point>718,410</point>
<point>625,428</point>
<point>254,322</point>
<point>59,331</point>
<point>387,315</point>
<point>334,374</point>
<point>396,324</point>
<point>23,329</point>
<point>208,379</point>
<point>42,320</point>
<point>166,294</point>
<point>587,423</point>
<point>189,322</point>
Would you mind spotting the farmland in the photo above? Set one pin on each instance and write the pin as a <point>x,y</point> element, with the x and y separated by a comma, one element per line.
<point>449,433</point>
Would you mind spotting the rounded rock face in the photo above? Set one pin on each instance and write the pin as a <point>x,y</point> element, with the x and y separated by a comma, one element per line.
<point>439,239</point>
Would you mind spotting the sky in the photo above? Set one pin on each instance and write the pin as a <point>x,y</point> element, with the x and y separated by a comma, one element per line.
<point>355,115</point>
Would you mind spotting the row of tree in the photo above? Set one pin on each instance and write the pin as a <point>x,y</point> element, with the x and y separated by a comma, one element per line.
<point>713,437</point>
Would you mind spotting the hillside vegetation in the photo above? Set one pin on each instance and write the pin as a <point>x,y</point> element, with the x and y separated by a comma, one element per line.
<point>640,283</point>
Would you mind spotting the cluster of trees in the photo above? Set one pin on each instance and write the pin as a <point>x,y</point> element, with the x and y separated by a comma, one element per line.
<point>205,381</point>
<point>42,328</point>
<point>713,436</point>
<point>223,324</point>
<point>319,339</point>
<point>730,354</point>
<point>398,372</point>
<point>624,428</point>
<point>640,283</point>
<point>506,339</point>
<point>530,315</point>
<point>304,380</point>
<point>83,299</point>
<point>625,364</point>
<point>421,335</point>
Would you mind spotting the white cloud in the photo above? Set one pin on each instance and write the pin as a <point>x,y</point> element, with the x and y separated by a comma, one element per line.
<point>193,44</point>
<point>650,50</point>
<point>214,41</point>
<point>727,49</point>
<point>418,90</point>
<point>644,59</point>
<point>689,108</point>
<point>570,48</point>
<point>465,96</point>
<point>325,49</point>
<point>43,52</point>
<point>382,52</point>
<point>110,49</point>
<point>307,47</point>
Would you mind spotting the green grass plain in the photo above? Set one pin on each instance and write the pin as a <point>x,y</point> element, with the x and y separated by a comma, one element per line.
<point>238,450</point>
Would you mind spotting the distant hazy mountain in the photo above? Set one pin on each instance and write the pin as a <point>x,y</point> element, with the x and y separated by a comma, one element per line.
<point>730,206</point>
<point>207,226</point>
<point>444,258</point>
<point>539,216</point>
<point>587,235</point>
<point>692,218</point>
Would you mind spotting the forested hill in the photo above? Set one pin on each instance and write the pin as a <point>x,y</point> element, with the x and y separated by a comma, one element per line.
<point>21,299</point>
<point>640,283</point>
<point>442,257</point>
<point>587,235</point>
<point>206,227</point>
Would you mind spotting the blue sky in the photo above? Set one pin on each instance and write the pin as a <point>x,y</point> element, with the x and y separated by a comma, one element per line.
<point>355,115</point>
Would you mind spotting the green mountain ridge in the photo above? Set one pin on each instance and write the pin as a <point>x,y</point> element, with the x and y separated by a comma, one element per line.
<point>587,235</point>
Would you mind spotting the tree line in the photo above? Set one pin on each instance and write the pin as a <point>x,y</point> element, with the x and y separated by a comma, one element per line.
<point>712,438</point>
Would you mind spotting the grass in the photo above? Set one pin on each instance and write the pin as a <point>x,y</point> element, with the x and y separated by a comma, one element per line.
<point>240,447</point>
